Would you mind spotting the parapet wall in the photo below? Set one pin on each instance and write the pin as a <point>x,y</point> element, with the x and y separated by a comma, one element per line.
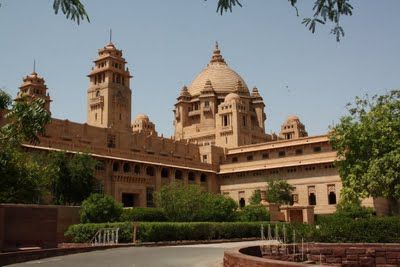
<point>23,225</point>
<point>380,255</point>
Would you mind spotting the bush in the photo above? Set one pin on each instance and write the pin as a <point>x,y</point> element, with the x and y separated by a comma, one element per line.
<point>143,215</point>
<point>98,208</point>
<point>253,213</point>
<point>354,210</point>
<point>83,233</point>
<point>191,204</point>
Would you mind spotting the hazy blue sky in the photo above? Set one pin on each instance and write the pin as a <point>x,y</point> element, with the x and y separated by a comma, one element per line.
<point>167,43</point>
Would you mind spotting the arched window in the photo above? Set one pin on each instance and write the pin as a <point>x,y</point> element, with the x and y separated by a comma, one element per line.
<point>150,171</point>
<point>115,166</point>
<point>164,173</point>
<point>191,176</point>
<point>203,178</point>
<point>127,167</point>
<point>137,169</point>
<point>178,175</point>
<point>97,93</point>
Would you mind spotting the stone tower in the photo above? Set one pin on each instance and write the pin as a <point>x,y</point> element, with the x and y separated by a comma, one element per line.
<point>33,87</point>
<point>292,128</point>
<point>109,93</point>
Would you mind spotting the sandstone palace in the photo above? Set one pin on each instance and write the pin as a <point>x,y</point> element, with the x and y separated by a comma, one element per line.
<point>219,142</point>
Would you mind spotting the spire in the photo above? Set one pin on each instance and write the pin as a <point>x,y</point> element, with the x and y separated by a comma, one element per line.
<point>110,36</point>
<point>217,57</point>
<point>34,68</point>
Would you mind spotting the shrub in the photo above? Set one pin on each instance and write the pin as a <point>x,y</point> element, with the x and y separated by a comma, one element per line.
<point>190,203</point>
<point>253,213</point>
<point>143,215</point>
<point>100,208</point>
<point>168,231</point>
<point>83,233</point>
<point>354,210</point>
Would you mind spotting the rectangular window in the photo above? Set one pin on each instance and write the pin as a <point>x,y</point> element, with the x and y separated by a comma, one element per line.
<point>225,120</point>
<point>317,149</point>
<point>149,197</point>
<point>282,153</point>
<point>250,157</point>
<point>299,151</point>
<point>205,158</point>
<point>234,159</point>
<point>206,104</point>
<point>265,155</point>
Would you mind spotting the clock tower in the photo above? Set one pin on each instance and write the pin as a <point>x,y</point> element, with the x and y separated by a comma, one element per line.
<point>109,93</point>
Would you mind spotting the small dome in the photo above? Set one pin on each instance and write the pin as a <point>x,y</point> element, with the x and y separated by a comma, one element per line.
<point>142,117</point>
<point>292,118</point>
<point>232,96</point>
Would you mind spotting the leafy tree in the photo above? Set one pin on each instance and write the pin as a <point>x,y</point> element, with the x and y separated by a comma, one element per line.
<point>73,180</point>
<point>23,176</point>
<point>279,192</point>
<point>368,146</point>
<point>98,208</point>
<point>324,11</point>
<point>190,203</point>
<point>73,9</point>
<point>255,198</point>
<point>25,120</point>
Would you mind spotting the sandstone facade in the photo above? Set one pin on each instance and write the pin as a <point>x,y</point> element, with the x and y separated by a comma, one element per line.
<point>219,142</point>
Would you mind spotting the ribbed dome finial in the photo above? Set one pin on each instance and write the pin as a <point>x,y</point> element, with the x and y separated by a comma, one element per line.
<point>217,57</point>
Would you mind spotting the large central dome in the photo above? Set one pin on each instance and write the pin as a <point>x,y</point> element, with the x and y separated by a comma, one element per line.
<point>223,78</point>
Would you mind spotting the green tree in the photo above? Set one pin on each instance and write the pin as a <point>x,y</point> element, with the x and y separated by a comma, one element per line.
<point>279,192</point>
<point>73,180</point>
<point>23,122</point>
<point>73,9</point>
<point>254,213</point>
<point>190,203</point>
<point>367,142</point>
<point>255,198</point>
<point>23,176</point>
<point>324,11</point>
<point>98,208</point>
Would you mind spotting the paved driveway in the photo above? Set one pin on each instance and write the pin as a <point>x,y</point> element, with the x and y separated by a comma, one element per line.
<point>210,255</point>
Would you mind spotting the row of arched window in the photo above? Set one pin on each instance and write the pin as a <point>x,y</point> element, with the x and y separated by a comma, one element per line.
<point>150,171</point>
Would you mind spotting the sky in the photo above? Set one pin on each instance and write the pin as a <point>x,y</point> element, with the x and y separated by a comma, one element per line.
<point>167,43</point>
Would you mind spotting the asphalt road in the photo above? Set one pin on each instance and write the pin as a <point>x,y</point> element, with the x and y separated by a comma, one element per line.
<point>210,255</point>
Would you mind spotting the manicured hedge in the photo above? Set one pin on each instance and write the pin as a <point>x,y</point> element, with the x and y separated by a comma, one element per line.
<point>143,215</point>
<point>336,229</point>
<point>166,231</point>
<point>367,230</point>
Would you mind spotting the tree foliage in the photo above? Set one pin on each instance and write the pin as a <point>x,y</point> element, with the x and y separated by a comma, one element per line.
<point>25,120</point>
<point>367,142</point>
<point>73,179</point>
<point>73,9</point>
<point>255,198</point>
<point>279,192</point>
<point>324,11</point>
<point>98,208</point>
<point>190,203</point>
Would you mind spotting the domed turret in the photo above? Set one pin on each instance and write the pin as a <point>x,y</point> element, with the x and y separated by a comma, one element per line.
<point>143,124</point>
<point>292,128</point>
<point>232,97</point>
